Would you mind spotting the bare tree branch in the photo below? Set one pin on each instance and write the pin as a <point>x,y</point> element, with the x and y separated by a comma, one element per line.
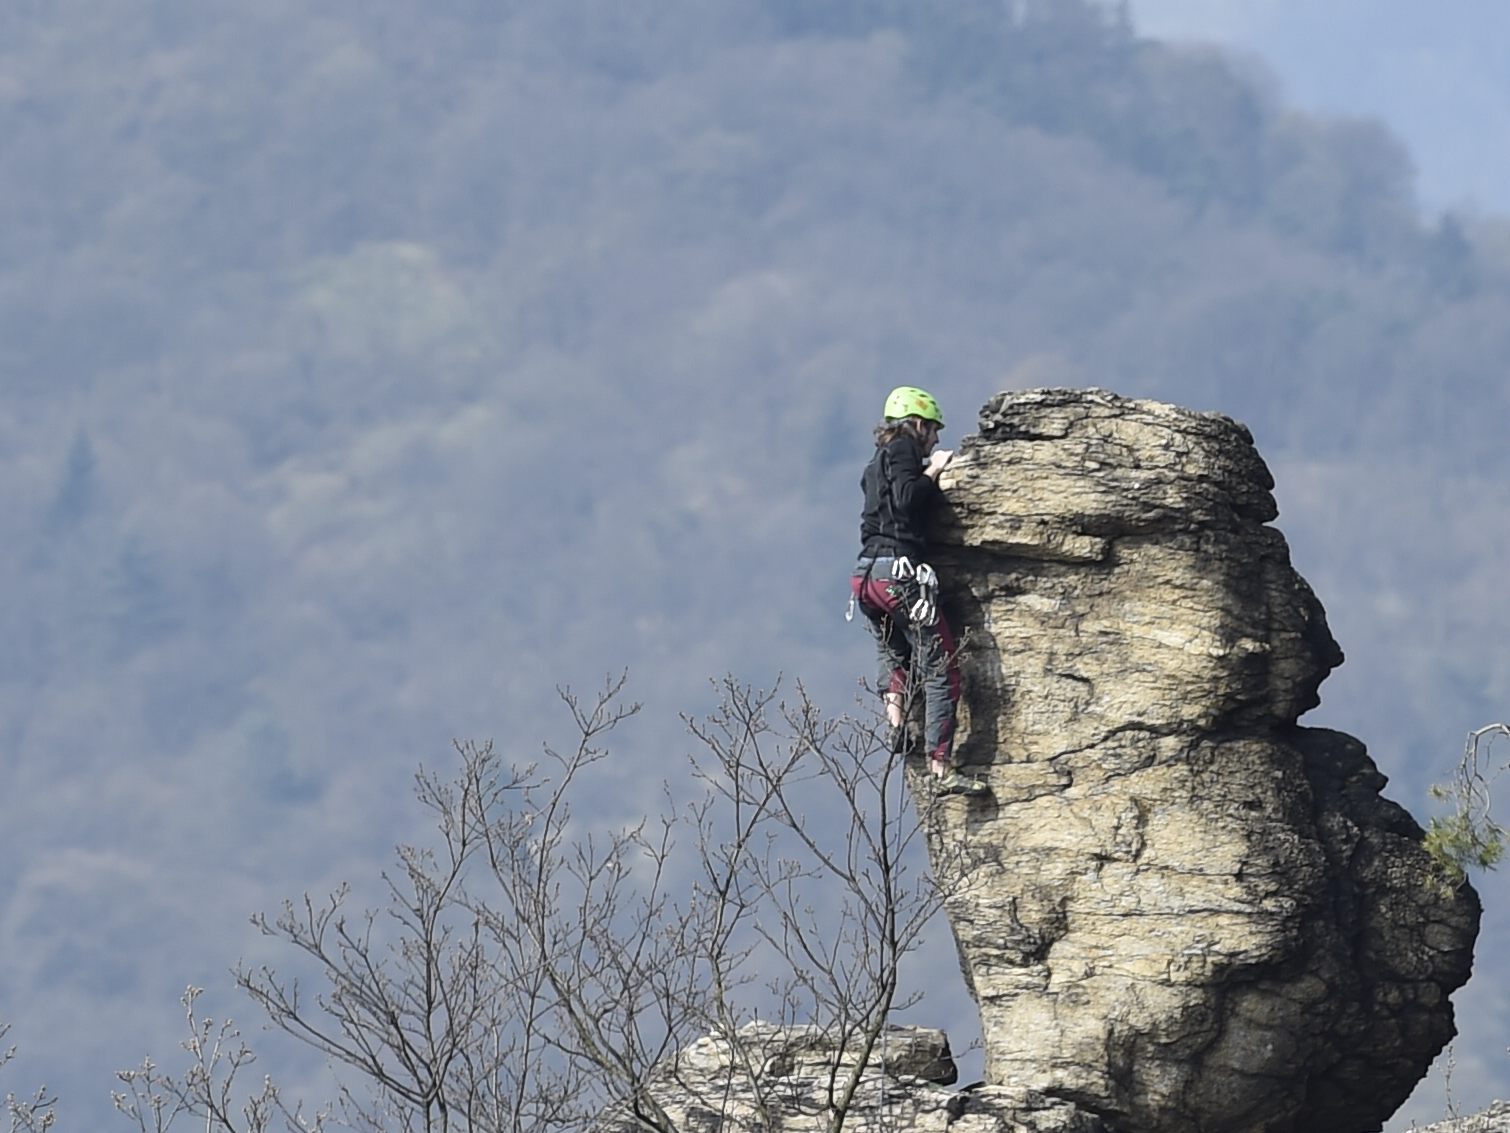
<point>27,1115</point>
<point>209,1093</point>
<point>529,972</point>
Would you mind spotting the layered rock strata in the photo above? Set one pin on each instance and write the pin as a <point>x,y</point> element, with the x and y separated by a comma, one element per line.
<point>1178,911</point>
<point>774,1079</point>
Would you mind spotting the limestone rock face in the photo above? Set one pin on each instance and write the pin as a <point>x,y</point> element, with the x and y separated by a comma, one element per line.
<point>1178,911</point>
<point>707,1088</point>
<point>1495,1119</point>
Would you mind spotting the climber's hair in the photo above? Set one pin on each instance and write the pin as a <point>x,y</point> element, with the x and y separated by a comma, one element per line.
<point>894,427</point>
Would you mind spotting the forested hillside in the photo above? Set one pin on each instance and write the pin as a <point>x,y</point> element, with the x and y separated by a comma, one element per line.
<point>369,369</point>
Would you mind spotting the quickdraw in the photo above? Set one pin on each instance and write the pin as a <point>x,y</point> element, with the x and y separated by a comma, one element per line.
<point>924,610</point>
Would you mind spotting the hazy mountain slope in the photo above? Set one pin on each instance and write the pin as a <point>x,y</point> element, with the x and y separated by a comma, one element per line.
<point>368,372</point>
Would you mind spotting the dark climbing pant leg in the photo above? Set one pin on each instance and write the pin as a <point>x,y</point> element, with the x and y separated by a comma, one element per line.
<point>937,667</point>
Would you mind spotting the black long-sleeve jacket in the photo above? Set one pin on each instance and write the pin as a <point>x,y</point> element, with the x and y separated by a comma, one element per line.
<point>898,498</point>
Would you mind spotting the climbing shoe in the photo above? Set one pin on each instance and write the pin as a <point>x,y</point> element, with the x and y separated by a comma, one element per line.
<point>896,739</point>
<point>956,784</point>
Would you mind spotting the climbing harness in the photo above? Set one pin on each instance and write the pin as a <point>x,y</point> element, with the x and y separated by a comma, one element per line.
<point>920,591</point>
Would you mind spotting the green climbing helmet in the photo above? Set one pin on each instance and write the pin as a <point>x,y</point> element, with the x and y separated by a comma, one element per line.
<point>909,401</point>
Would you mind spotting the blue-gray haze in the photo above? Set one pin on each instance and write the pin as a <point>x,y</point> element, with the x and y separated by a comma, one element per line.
<point>368,369</point>
<point>1433,71</point>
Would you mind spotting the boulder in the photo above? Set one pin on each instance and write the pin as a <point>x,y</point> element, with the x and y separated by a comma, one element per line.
<point>1178,910</point>
<point>1494,1119</point>
<point>781,1079</point>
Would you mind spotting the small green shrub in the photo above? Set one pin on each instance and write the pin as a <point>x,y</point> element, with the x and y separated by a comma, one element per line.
<point>1469,838</point>
<point>1458,845</point>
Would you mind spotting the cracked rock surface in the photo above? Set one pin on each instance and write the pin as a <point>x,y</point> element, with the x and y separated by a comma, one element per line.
<point>1179,911</point>
<point>1494,1119</point>
<point>707,1088</point>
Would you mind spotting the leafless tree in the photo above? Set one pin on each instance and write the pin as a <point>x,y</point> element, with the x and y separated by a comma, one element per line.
<point>27,1115</point>
<point>835,879</point>
<point>529,972</point>
<point>208,1091</point>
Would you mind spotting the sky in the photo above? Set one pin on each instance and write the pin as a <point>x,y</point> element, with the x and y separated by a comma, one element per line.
<point>315,469</point>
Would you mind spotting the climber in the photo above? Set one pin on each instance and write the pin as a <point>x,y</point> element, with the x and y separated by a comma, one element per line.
<point>896,589</point>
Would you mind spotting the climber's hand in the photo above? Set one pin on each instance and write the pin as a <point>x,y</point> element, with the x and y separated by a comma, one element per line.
<point>937,461</point>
